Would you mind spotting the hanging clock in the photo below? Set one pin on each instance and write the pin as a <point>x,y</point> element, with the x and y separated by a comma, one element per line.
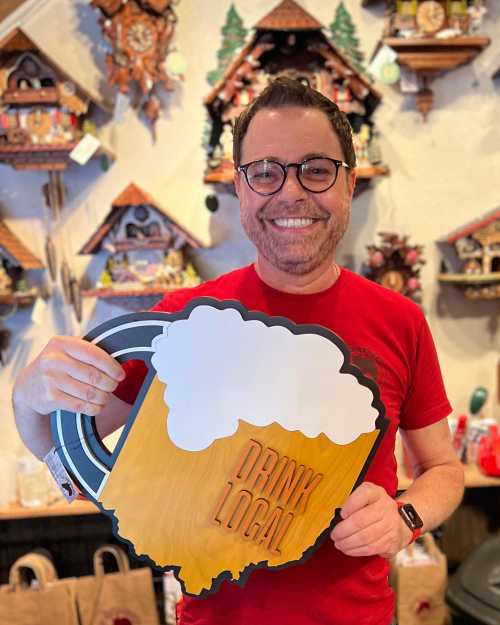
<point>431,17</point>
<point>140,34</point>
<point>139,37</point>
<point>394,280</point>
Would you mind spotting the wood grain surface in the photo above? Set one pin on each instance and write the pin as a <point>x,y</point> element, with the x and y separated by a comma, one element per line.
<point>264,494</point>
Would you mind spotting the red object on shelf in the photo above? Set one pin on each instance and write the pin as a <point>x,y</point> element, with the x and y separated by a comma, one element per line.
<point>460,438</point>
<point>489,452</point>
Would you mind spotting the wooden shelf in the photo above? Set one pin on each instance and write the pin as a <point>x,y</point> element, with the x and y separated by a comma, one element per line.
<point>465,278</point>
<point>474,478</point>
<point>61,508</point>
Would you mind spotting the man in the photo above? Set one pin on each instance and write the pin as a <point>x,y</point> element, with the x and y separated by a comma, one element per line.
<point>295,179</point>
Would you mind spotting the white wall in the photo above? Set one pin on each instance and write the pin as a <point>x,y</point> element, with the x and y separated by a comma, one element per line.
<point>444,173</point>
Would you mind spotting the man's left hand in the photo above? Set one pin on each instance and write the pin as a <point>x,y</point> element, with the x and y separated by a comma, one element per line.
<point>371,524</point>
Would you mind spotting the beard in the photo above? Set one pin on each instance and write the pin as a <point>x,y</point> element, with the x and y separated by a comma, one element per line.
<point>297,253</point>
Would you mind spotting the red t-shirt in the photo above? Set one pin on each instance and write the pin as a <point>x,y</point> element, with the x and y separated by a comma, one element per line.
<point>391,343</point>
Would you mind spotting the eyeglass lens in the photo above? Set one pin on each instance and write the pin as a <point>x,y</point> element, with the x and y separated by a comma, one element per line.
<point>316,174</point>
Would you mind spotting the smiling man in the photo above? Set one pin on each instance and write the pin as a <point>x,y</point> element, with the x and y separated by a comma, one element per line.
<point>295,179</point>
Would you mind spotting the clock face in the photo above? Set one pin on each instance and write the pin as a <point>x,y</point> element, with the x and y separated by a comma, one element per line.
<point>39,121</point>
<point>393,280</point>
<point>431,16</point>
<point>140,37</point>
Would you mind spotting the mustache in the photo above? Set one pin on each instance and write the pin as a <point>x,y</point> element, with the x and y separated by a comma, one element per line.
<point>304,211</point>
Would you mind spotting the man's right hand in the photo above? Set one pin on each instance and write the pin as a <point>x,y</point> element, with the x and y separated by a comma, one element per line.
<point>69,374</point>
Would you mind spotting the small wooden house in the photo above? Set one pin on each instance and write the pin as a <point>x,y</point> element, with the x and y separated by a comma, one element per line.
<point>15,261</point>
<point>471,257</point>
<point>289,41</point>
<point>46,97</point>
<point>147,252</point>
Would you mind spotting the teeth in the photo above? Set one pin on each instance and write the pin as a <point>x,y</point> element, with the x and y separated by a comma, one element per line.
<point>293,223</point>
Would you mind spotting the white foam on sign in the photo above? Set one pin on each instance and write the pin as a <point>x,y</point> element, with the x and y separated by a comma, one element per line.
<point>219,368</point>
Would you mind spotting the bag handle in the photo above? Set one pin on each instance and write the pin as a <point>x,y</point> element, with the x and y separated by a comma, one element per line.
<point>40,565</point>
<point>119,555</point>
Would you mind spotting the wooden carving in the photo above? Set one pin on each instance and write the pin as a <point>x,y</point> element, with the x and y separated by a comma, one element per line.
<point>216,482</point>
<point>140,33</point>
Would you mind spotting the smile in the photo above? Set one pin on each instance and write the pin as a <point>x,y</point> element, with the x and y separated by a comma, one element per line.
<point>293,222</point>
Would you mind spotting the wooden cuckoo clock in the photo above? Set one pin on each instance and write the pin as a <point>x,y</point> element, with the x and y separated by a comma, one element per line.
<point>429,37</point>
<point>288,41</point>
<point>146,252</point>
<point>471,257</point>
<point>140,33</point>
<point>395,264</point>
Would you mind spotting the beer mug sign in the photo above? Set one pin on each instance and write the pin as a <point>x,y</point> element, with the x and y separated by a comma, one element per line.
<point>246,438</point>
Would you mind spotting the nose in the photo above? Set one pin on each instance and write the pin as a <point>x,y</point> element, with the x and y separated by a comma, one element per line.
<point>292,187</point>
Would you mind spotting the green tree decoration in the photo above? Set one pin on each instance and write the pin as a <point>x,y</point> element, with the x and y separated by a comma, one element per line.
<point>343,35</point>
<point>233,38</point>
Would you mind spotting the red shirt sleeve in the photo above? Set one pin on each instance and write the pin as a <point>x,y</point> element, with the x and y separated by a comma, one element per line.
<point>426,401</point>
<point>136,370</point>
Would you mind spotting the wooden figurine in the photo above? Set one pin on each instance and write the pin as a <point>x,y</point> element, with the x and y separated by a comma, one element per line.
<point>433,36</point>
<point>140,33</point>
<point>15,261</point>
<point>227,482</point>
<point>147,252</point>
<point>471,257</point>
<point>282,41</point>
<point>396,265</point>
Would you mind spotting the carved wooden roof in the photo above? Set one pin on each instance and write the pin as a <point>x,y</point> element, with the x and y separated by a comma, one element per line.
<point>473,226</point>
<point>132,195</point>
<point>288,15</point>
<point>16,250</point>
<point>9,6</point>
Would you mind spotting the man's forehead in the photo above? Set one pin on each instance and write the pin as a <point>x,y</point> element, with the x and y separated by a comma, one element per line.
<point>290,132</point>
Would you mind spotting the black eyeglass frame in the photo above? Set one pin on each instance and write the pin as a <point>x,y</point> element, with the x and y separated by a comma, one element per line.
<point>336,162</point>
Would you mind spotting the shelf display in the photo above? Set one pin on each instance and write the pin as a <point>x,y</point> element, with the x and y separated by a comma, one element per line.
<point>147,252</point>
<point>140,33</point>
<point>433,36</point>
<point>471,257</point>
<point>289,41</point>
<point>15,260</point>
<point>396,265</point>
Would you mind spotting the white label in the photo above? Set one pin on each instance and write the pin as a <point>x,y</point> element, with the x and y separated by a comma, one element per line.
<point>122,104</point>
<point>38,312</point>
<point>85,149</point>
<point>61,476</point>
<point>385,55</point>
<point>409,81</point>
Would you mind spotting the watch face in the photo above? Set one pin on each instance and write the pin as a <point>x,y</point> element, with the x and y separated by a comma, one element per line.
<point>431,16</point>
<point>140,37</point>
<point>410,516</point>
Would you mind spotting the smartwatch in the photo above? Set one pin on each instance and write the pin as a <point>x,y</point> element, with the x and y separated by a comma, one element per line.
<point>410,516</point>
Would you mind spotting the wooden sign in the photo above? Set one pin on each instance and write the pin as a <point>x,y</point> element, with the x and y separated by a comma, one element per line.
<point>246,438</point>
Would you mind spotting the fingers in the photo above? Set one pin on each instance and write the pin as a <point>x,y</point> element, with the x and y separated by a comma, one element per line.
<point>357,522</point>
<point>96,378</point>
<point>63,401</point>
<point>78,390</point>
<point>90,354</point>
<point>366,494</point>
<point>366,537</point>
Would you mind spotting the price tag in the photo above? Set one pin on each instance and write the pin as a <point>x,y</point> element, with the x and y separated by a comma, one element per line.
<point>85,149</point>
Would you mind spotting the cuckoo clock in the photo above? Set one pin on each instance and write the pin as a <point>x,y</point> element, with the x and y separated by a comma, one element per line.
<point>289,41</point>
<point>45,113</point>
<point>471,257</point>
<point>396,265</point>
<point>16,265</point>
<point>430,37</point>
<point>146,252</point>
<point>140,33</point>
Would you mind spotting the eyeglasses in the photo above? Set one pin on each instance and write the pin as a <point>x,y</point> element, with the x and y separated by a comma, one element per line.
<point>317,174</point>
